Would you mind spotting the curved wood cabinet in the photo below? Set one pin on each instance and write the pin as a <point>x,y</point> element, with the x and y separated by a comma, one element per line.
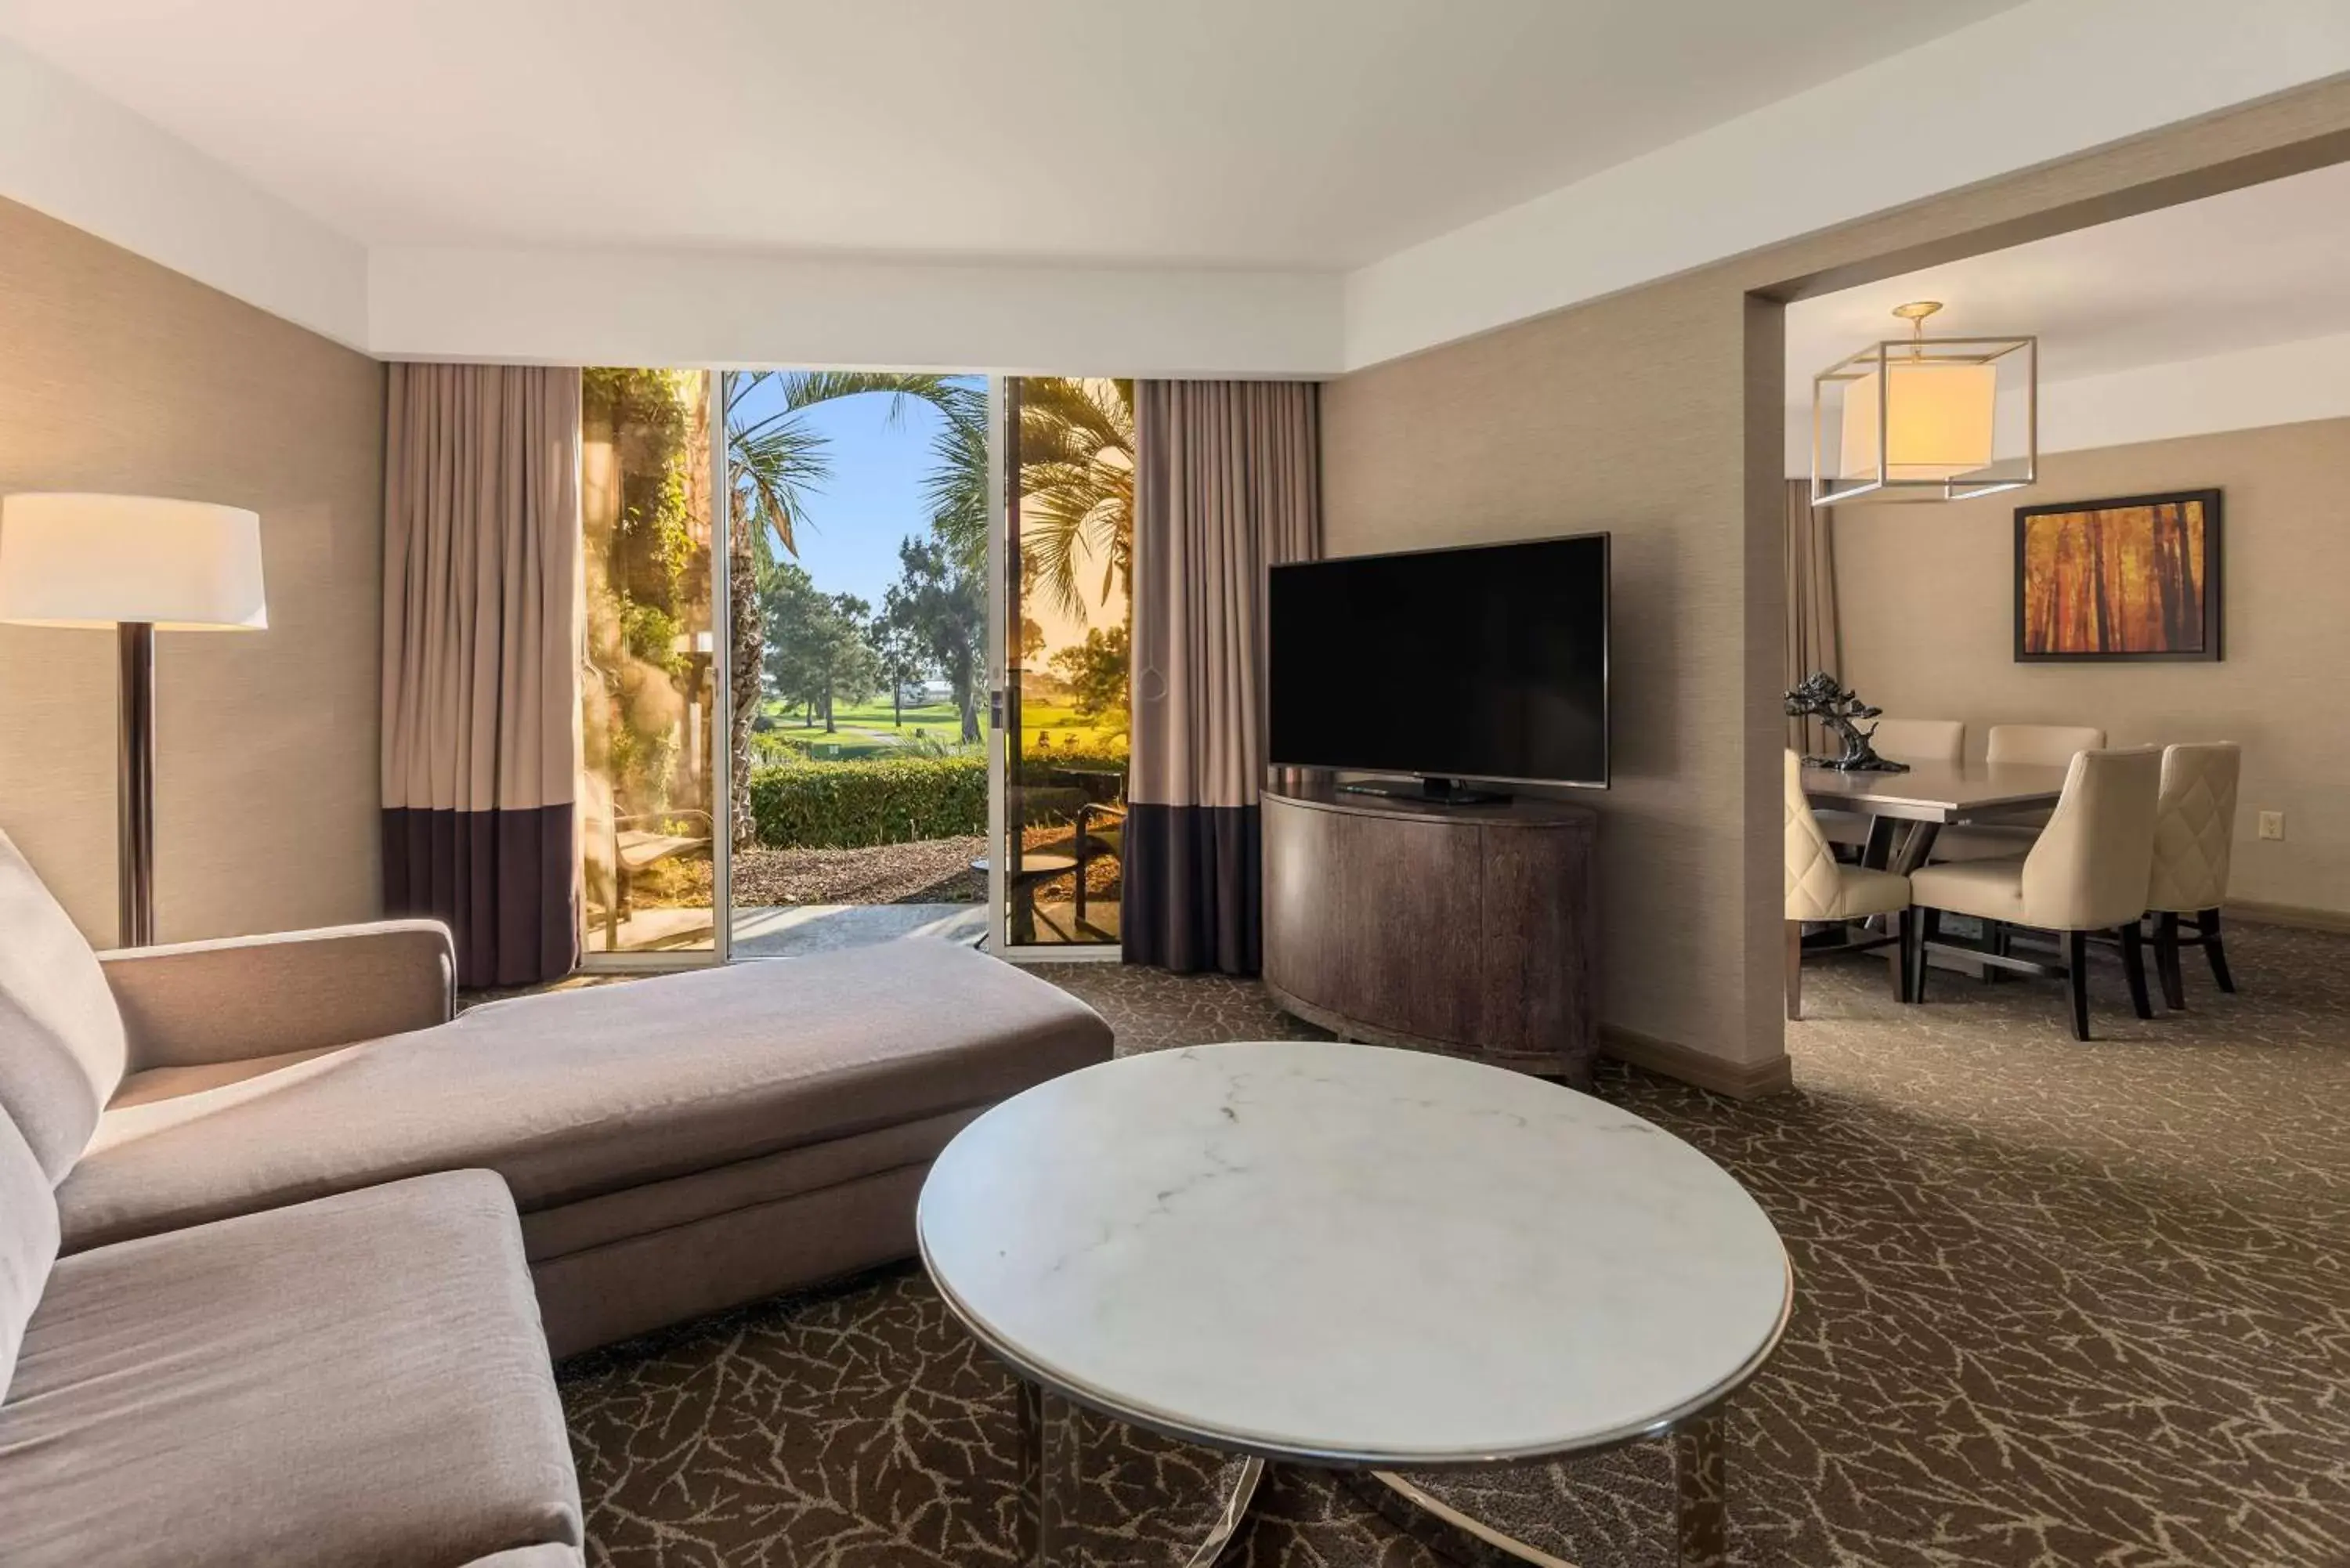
<point>1465,930</point>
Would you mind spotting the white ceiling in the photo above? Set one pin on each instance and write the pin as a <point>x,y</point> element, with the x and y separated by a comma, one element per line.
<point>2263,266</point>
<point>1317,134</point>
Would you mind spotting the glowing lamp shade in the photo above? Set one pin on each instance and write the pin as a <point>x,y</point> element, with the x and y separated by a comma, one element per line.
<point>116,560</point>
<point>1938,421</point>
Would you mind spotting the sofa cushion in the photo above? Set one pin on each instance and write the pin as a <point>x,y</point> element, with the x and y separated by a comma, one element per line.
<point>359,1381</point>
<point>29,1240</point>
<point>574,1095</point>
<point>61,1052</point>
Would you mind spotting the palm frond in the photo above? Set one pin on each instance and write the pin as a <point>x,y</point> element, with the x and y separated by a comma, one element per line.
<point>1077,484</point>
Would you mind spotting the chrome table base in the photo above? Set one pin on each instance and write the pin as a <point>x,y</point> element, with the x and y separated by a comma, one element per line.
<point>1051,1466</point>
<point>1051,1536</point>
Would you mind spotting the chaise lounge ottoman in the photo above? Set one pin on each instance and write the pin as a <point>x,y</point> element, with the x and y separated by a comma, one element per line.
<point>676,1144</point>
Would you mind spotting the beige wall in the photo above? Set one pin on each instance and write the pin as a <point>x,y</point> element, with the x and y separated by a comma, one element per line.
<point>1658,414</point>
<point>116,374</point>
<point>1508,436</point>
<point>1928,604</point>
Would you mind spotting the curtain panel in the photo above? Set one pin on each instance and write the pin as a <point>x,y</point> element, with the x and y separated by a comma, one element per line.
<point>1227,483</point>
<point>481,658</point>
<point>1814,642</point>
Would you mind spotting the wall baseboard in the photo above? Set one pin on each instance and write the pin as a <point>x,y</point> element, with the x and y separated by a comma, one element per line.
<point>2290,914</point>
<point>1740,1081</point>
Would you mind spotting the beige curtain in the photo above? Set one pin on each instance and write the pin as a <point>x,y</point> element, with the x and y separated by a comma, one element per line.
<point>481,658</point>
<point>1228,484</point>
<point>1814,641</point>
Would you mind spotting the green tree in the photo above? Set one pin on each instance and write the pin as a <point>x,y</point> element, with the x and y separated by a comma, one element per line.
<point>818,653</point>
<point>1095,672</point>
<point>899,650</point>
<point>1077,485</point>
<point>945,606</point>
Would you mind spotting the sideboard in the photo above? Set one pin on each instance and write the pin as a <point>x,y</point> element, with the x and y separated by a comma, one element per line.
<point>1460,929</point>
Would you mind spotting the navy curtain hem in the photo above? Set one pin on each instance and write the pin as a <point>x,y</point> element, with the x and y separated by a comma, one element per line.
<point>1193,888</point>
<point>500,880</point>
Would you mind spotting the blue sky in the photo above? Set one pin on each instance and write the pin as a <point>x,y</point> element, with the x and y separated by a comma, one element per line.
<point>848,537</point>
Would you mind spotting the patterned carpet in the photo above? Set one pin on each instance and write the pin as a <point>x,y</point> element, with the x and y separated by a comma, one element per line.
<point>2058,1303</point>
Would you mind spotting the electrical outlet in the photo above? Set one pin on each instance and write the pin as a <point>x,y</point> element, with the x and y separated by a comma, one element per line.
<point>2271,825</point>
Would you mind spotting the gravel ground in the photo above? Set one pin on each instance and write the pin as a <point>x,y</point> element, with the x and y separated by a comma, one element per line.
<point>927,871</point>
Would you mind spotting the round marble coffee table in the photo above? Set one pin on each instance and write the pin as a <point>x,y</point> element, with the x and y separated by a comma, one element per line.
<point>1352,1257</point>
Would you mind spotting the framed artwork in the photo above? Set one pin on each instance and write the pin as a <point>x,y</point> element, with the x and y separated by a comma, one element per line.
<point>2134,579</point>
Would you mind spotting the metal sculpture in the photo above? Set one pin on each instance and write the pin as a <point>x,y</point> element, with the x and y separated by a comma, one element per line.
<point>1837,707</point>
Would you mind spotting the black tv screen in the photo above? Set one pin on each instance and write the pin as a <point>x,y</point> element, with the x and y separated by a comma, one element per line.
<point>1489,662</point>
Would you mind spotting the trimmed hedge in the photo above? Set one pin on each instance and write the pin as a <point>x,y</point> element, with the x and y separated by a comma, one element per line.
<point>863,802</point>
<point>857,805</point>
<point>1040,768</point>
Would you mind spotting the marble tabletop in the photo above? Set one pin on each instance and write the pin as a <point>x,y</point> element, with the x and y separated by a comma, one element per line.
<point>1350,1253</point>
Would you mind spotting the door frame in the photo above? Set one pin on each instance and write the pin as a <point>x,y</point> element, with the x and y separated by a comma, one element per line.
<point>1003,612</point>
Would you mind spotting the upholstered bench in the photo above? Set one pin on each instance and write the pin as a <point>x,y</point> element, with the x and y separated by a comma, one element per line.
<point>675,1144</point>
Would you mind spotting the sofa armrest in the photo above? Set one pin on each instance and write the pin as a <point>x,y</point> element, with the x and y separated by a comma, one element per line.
<point>188,1003</point>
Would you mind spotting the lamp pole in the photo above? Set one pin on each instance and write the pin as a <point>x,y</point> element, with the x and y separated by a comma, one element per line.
<point>135,786</point>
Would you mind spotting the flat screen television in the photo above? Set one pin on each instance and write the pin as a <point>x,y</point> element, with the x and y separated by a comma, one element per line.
<point>1485,663</point>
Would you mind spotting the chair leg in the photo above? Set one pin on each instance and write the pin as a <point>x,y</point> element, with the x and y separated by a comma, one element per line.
<point>1795,971</point>
<point>2166,961</point>
<point>1905,928</point>
<point>2208,923</point>
<point>1996,939</point>
<point>2134,968</point>
<point>1929,928</point>
<point>2076,980</point>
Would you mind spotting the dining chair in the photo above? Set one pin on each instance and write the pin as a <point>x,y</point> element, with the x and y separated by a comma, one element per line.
<point>1921,740</point>
<point>1900,741</point>
<point>2048,746</point>
<point>2090,865</point>
<point>2041,745</point>
<point>2194,835</point>
<point>1821,888</point>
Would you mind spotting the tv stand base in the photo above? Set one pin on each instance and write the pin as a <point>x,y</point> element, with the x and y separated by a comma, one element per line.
<point>1432,791</point>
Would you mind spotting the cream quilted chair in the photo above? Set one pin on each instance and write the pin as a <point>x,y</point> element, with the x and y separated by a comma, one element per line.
<point>2048,746</point>
<point>1821,889</point>
<point>2194,832</point>
<point>2040,745</point>
<point>2086,873</point>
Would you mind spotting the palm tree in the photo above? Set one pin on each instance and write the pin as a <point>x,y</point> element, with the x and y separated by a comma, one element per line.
<point>1077,484</point>
<point>774,459</point>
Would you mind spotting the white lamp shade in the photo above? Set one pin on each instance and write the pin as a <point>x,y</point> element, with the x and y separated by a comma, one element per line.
<point>1938,421</point>
<point>105,560</point>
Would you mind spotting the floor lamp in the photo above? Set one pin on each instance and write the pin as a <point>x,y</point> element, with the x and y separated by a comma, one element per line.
<point>141,566</point>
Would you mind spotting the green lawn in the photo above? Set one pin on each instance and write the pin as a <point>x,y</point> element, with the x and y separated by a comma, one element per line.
<point>866,723</point>
<point>1066,729</point>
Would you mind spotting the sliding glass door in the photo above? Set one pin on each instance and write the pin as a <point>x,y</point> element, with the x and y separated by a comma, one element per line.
<point>651,851</point>
<point>1066,551</point>
<point>855,664</point>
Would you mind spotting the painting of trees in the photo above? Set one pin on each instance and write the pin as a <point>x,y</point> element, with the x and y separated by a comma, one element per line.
<point>2124,579</point>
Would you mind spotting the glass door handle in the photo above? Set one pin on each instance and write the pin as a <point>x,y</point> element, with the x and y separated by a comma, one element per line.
<point>995,708</point>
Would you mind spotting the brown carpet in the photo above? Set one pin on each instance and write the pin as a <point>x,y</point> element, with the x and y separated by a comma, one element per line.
<point>2058,1303</point>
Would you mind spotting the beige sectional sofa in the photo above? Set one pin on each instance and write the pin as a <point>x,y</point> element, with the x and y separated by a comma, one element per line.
<point>283,1245</point>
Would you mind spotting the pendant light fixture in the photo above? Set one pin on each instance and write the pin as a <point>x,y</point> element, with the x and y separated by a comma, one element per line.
<point>1926,418</point>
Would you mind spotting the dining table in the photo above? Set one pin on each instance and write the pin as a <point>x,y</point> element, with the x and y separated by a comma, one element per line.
<point>1906,810</point>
